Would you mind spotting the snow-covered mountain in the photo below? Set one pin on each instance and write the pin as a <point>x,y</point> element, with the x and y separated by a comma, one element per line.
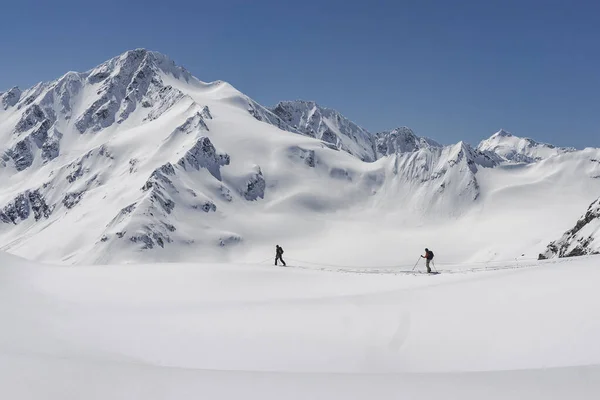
<point>513,148</point>
<point>137,160</point>
<point>328,125</point>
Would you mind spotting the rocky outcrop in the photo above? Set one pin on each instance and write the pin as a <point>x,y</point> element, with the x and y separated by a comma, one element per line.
<point>10,98</point>
<point>401,140</point>
<point>159,185</point>
<point>255,186</point>
<point>23,206</point>
<point>30,118</point>
<point>265,115</point>
<point>308,157</point>
<point>193,124</point>
<point>72,199</point>
<point>582,239</point>
<point>153,235</point>
<point>21,154</point>
<point>161,101</point>
<point>40,134</point>
<point>204,155</point>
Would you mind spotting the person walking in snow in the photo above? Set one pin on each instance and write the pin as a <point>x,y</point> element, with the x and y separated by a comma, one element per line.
<point>428,257</point>
<point>278,254</point>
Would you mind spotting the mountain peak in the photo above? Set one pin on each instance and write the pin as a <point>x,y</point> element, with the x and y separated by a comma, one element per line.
<point>139,59</point>
<point>403,130</point>
<point>502,133</point>
<point>401,140</point>
<point>518,149</point>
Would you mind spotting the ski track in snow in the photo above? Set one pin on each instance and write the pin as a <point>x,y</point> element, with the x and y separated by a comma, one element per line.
<point>518,329</point>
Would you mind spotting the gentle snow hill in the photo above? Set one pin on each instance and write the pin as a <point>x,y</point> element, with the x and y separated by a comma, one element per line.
<point>516,149</point>
<point>136,160</point>
<point>225,331</point>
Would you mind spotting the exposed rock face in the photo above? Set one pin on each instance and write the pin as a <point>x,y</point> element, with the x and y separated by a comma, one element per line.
<point>10,98</point>
<point>21,208</point>
<point>582,239</point>
<point>204,155</point>
<point>255,186</point>
<point>401,140</point>
<point>159,185</point>
<point>72,199</point>
<point>310,119</point>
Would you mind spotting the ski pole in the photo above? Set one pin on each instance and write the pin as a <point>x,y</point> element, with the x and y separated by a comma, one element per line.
<point>416,264</point>
<point>433,263</point>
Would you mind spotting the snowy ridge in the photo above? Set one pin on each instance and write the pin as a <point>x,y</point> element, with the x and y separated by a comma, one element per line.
<point>328,125</point>
<point>513,148</point>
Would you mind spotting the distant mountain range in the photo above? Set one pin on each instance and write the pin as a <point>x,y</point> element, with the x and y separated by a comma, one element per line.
<point>137,159</point>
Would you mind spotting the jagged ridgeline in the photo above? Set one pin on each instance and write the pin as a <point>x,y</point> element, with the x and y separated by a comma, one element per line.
<point>136,159</point>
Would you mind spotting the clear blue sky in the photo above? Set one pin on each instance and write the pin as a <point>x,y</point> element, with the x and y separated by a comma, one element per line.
<point>451,70</point>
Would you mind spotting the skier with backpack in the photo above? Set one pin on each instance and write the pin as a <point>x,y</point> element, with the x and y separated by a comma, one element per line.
<point>278,254</point>
<point>428,257</point>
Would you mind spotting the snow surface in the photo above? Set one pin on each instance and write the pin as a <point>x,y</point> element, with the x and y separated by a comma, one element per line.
<point>525,329</point>
<point>138,161</point>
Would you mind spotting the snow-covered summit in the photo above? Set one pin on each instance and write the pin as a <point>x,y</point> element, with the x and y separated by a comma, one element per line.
<point>328,125</point>
<point>517,149</point>
<point>137,60</point>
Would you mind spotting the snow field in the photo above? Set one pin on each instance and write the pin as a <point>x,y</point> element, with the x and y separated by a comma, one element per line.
<point>163,331</point>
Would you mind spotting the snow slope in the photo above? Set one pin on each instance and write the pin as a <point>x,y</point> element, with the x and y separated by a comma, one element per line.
<point>227,331</point>
<point>138,161</point>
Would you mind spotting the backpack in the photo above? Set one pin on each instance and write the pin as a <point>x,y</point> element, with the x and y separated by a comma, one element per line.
<point>430,255</point>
